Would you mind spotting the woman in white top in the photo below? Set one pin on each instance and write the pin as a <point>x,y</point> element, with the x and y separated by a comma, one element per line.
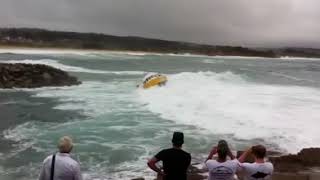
<point>222,169</point>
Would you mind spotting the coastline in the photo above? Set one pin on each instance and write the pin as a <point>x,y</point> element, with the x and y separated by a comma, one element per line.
<point>43,38</point>
<point>46,50</point>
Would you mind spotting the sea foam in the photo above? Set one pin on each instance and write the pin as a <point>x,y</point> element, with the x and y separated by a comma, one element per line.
<point>227,103</point>
<point>69,68</point>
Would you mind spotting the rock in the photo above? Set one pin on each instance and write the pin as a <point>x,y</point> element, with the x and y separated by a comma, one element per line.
<point>305,159</point>
<point>46,76</point>
<point>193,173</point>
<point>196,174</point>
<point>33,76</point>
<point>310,156</point>
<point>289,176</point>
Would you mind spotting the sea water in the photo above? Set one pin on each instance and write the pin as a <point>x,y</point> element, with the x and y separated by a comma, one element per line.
<point>117,127</point>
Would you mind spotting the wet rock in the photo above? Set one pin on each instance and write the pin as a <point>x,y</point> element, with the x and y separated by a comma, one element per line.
<point>33,76</point>
<point>305,159</point>
<point>310,156</point>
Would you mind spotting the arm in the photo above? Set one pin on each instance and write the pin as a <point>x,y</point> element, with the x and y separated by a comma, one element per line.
<point>244,155</point>
<point>189,161</point>
<point>152,165</point>
<point>232,157</point>
<point>212,152</point>
<point>42,175</point>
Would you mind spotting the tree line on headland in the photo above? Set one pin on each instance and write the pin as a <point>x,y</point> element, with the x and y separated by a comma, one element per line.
<point>30,37</point>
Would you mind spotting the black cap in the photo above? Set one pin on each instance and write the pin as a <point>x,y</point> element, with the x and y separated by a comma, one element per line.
<point>177,138</point>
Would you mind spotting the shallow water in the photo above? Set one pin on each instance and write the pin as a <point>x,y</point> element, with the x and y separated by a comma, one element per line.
<point>117,127</point>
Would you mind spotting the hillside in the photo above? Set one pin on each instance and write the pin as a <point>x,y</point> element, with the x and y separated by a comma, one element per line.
<point>27,37</point>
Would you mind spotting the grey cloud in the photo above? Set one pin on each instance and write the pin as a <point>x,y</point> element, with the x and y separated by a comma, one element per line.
<point>225,22</point>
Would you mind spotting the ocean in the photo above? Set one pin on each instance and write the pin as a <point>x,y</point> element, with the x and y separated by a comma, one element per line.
<point>117,127</point>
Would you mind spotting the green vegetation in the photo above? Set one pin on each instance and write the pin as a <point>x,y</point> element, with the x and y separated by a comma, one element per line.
<point>27,37</point>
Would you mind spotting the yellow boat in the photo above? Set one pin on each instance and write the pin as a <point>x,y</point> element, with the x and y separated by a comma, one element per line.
<point>154,80</point>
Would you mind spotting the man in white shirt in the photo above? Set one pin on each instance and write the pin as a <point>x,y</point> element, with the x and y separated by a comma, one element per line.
<point>222,169</point>
<point>259,170</point>
<point>61,166</point>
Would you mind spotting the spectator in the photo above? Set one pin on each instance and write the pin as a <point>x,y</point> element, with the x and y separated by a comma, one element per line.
<point>259,170</point>
<point>61,166</point>
<point>175,160</point>
<point>222,168</point>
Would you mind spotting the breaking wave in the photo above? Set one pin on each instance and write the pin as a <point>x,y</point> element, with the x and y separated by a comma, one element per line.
<point>226,103</point>
<point>58,65</point>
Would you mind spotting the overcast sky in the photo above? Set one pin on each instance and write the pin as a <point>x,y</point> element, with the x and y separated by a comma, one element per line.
<point>219,22</point>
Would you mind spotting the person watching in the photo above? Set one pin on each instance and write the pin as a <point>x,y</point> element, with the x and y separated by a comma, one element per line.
<point>175,160</point>
<point>61,166</point>
<point>260,169</point>
<point>222,168</point>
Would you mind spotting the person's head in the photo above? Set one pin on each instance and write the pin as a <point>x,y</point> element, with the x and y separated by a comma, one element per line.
<point>177,139</point>
<point>222,149</point>
<point>259,151</point>
<point>65,144</point>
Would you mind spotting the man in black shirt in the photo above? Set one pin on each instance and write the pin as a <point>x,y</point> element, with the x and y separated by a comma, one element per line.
<point>175,160</point>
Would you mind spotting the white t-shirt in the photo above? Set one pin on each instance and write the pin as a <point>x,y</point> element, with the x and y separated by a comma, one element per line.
<point>222,171</point>
<point>65,168</point>
<point>257,171</point>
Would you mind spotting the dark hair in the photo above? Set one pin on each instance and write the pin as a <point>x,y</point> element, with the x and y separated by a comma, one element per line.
<point>177,139</point>
<point>259,151</point>
<point>223,149</point>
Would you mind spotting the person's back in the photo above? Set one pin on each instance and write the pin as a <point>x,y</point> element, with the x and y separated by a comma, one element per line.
<point>259,170</point>
<point>175,162</point>
<point>222,169</point>
<point>65,168</point>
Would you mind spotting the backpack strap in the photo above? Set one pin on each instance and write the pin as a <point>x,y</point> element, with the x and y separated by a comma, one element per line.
<point>52,166</point>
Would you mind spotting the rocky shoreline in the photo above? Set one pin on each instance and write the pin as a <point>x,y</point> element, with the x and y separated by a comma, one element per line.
<point>302,166</point>
<point>33,76</point>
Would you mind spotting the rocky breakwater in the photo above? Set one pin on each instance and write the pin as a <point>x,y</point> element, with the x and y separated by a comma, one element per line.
<point>33,76</point>
<point>302,166</point>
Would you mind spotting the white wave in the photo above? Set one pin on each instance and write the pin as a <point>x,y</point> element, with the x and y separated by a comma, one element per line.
<point>84,52</point>
<point>20,102</point>
<point>43,51</point>
<point>99,53</point>
<point>93,98</point>
<point>58,65</point>
<point>298,58</point>
<point>291,77</point>
<point>137,53</point>
<point>20,132</point>
<point>213,61</point>
<point>225,103</point>
<point>211,57</point>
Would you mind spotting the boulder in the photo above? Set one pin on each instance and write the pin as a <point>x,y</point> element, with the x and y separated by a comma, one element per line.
<point>33,76</point>
<point>305,159</point>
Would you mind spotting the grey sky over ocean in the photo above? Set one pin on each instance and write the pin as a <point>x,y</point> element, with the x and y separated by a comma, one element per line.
<point>263,23</point>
